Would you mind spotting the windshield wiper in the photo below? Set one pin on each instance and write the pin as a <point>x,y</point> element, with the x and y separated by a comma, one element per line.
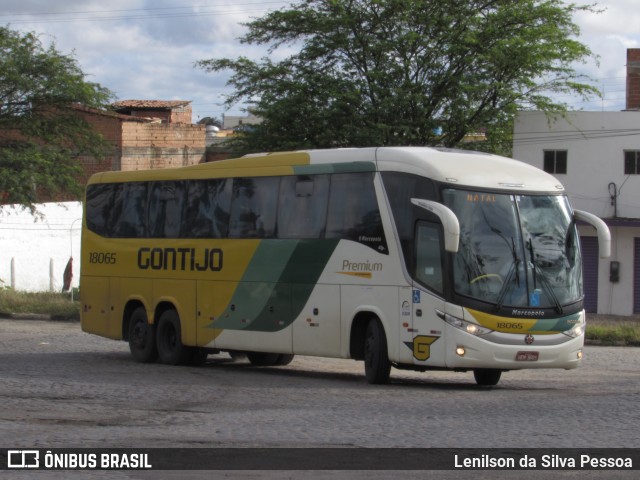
<point>537,272</point>
<point>512,270</point>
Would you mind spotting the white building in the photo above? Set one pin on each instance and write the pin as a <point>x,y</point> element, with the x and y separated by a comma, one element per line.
<point>234,121</point>
<point>596,156</point>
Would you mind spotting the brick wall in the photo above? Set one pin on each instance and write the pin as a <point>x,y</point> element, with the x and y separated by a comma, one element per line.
<point>633,79</point>
<point>152,145</point>
<point>110,126</point>
<point>164,115</point>
<point>181,114</point>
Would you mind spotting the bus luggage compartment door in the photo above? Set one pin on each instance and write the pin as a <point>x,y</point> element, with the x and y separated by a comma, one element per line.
<point>95,306</point>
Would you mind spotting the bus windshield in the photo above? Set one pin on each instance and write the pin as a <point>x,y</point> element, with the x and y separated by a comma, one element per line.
<point>516,250</point>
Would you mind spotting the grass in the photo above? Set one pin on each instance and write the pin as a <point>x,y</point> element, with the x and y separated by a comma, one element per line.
<point>601,329</point>
<point>58,305</point>
<point>612,330</point>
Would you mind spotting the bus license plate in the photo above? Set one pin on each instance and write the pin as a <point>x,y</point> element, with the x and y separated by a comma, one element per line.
<point>527,356</point>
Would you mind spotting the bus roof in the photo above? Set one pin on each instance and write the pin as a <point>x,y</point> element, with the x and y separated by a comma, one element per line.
<point>456,167</point>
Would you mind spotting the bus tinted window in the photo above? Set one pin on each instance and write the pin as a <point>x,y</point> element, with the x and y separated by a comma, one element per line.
<point>253,207</point>
<point>208,206</point>
<point>129,212</point>
<point>334,206</point>
<point>401,188</point>
<point>99,205</point>
<point>302,209</point>
<point>429,256</point>
<point>166,205</point>
<point>353,210</point>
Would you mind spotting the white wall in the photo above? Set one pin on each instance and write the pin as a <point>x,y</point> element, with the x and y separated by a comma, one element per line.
<point>32,242</point>
<point>595,142</point>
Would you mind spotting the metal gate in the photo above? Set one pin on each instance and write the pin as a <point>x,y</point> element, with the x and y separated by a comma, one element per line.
<point>590,258</point>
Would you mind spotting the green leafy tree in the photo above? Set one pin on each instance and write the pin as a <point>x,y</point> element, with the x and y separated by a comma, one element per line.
<point>41,133</point>
<point>404,72</point>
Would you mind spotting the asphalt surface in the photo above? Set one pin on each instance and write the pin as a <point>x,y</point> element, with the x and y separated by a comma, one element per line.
<point>62,388</point>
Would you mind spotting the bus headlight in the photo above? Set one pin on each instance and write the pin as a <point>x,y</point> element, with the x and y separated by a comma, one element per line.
<point>471,328</point>
<point>576,331</point>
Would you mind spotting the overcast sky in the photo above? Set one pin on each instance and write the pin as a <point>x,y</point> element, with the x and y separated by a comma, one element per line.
<point>146,49</point>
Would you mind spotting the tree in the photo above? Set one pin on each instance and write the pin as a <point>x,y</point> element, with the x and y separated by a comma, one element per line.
<point>41,134</point>
<point>404,72</point>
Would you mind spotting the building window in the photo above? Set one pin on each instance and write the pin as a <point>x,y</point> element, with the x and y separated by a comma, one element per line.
<point>632,162</point>
<point>555,161</point>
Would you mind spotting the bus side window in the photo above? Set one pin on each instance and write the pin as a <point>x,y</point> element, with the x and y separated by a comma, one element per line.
<point>208,205</point>
<point>302,209</point>
<point>429,256</point>
<point>253,207</point>
<point>99,207</point>
<point>353,210</point>
<point>165,211</point>
<point>131,222</point>
<point>401,188</point>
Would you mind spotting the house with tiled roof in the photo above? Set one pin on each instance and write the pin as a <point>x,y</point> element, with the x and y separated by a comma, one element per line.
<point>145,134</point>
<point>167,111</point>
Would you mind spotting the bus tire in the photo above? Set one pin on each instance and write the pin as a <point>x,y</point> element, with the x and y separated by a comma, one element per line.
<point>285,359</point>
<point>142,337</point>
<point>487,377</point>
<point>169,340</point>
<point>377,366</point>
<point>260,359</point>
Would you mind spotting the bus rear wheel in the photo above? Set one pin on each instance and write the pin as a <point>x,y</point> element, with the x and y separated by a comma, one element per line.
<point>487,377</point>
<point>169,340</point>
<point>377,366</point>
<point>142,337</point>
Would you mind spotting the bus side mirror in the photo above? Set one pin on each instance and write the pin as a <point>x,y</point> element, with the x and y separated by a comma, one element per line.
<point>604,236</point>
<point>449,222</point>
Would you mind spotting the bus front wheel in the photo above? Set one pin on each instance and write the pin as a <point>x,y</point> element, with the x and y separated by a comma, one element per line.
<point>487,377</point>
<point>142,337</point>
<point>377,366</point>
<point>169,340</point>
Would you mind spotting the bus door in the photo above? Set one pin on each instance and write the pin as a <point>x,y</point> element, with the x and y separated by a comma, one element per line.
<point>427,295</point>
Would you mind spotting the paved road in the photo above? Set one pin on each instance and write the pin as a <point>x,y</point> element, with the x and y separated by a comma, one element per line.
<point>64,388</point>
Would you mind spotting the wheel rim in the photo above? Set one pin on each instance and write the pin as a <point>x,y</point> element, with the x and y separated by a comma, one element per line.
<point>368,351</point>
<point>139,335</point>
<point>170,337</point>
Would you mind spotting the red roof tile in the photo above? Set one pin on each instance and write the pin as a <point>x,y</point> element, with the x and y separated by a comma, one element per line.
<point>149,104</point>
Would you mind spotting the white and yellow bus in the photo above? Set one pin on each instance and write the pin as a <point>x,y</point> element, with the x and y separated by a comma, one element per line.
<point>416,258</point>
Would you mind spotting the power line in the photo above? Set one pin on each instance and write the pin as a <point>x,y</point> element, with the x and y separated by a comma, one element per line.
<point>146,9</point>
<point>527,138</point>
<point>108,15</point>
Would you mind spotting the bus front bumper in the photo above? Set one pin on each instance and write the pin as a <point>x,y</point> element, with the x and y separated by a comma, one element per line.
<point>466,352</point>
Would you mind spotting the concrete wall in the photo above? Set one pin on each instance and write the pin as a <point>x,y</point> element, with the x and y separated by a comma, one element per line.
<point>33,243</point>
<point>595,142</point>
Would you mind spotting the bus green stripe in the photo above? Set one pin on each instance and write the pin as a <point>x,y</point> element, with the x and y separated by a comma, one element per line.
<point>278,283</point>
